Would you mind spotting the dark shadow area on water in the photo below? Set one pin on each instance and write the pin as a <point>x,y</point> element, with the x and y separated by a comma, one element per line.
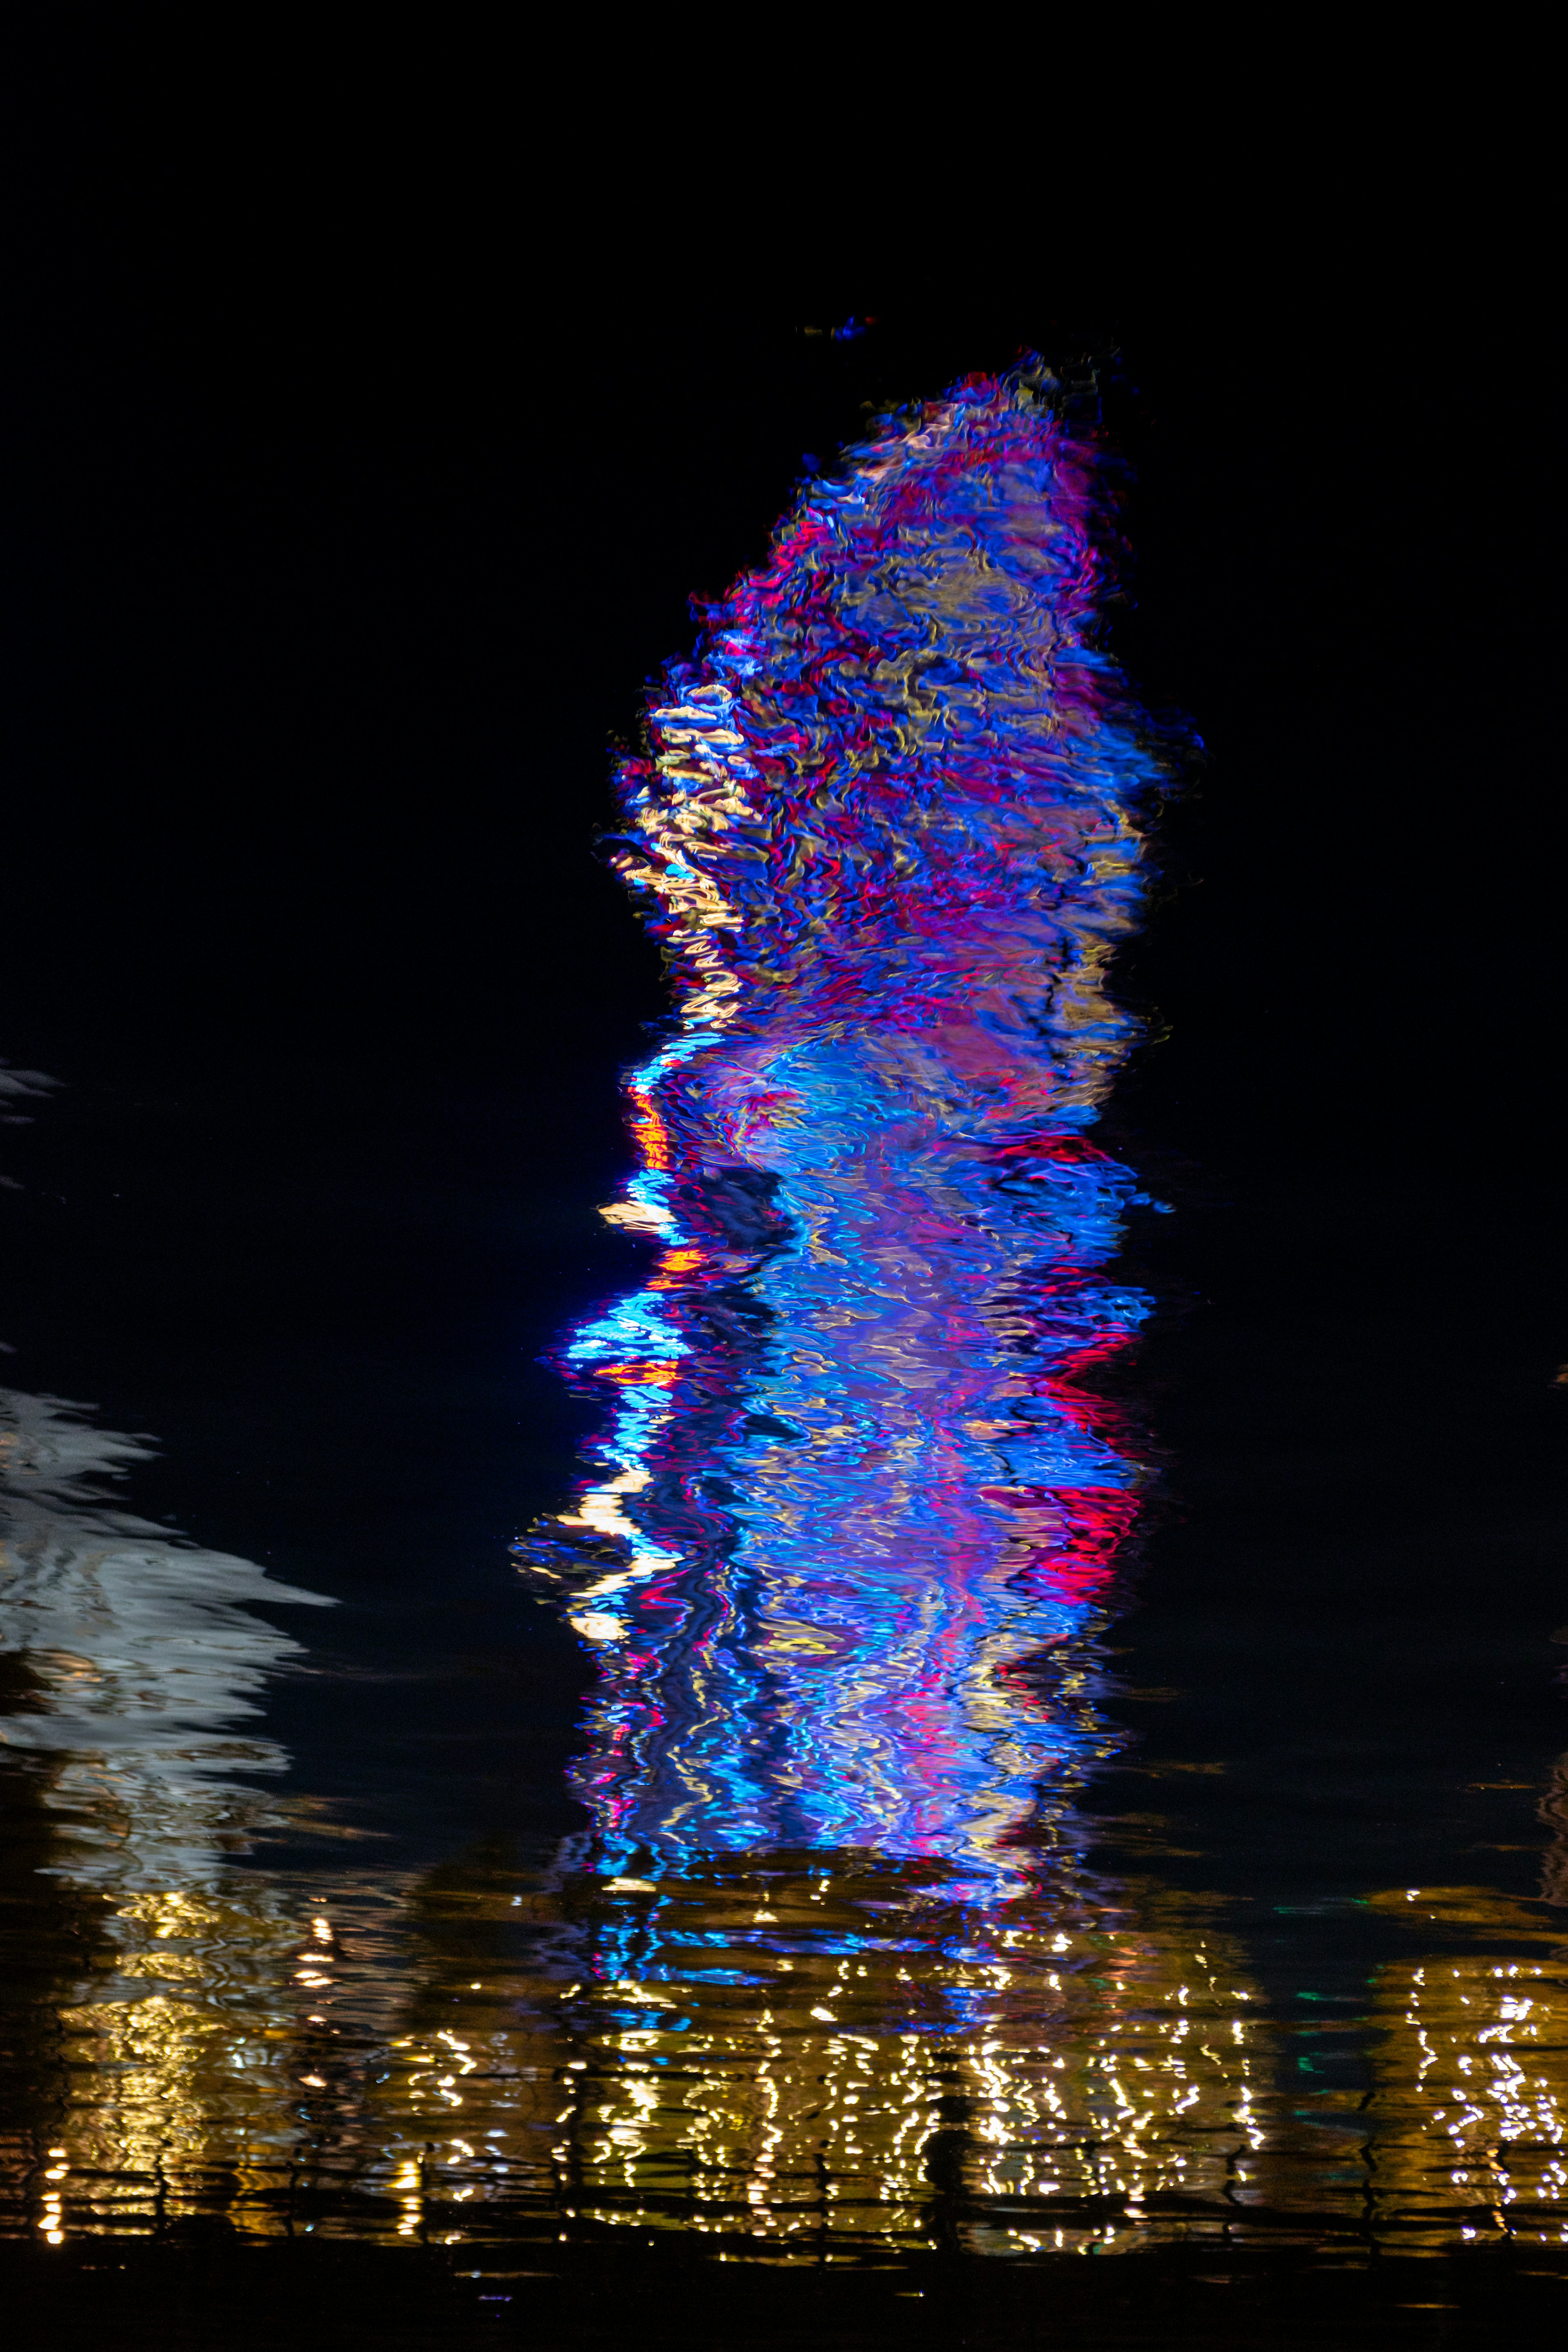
<point>321,2293</point>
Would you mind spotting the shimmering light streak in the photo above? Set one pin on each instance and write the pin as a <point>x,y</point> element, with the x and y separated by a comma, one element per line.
<point>852,1502</point>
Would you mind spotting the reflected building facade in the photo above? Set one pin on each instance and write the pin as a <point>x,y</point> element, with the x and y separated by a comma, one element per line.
<point>824,1974</point>
<point>856,1511</point>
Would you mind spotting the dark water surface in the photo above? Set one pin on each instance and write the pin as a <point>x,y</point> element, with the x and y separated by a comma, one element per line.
<point>348,1894</point>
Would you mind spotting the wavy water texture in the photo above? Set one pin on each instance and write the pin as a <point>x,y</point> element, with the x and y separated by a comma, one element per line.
<point>146,1659</point>
<point>890,834</point>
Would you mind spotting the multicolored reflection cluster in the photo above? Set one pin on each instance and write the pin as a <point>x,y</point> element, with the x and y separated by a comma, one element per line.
<point>823,1979</point>
<point>854,1501</point>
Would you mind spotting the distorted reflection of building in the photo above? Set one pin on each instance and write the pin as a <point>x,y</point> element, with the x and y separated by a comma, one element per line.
<point>148,1663</point>
<point>818,2053</point>
<point>859,1513</point>
<point>824,2050</point>
<point>826,1973</point>
<point>1554,1811</point>
<point>856,1502</point>
<point>1469,2116</point>
<point>144,1669</point>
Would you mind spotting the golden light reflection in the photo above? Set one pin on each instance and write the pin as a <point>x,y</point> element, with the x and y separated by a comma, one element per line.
<point>1471,2105</point>
<point>795,2095</point>
<point>798,2063</point>
<point>187,2062</point>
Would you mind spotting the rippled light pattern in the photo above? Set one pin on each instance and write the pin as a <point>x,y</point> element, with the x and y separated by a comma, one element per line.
<point>148,1663</point>
<point>826,1978</point>
<point>852,1496</point>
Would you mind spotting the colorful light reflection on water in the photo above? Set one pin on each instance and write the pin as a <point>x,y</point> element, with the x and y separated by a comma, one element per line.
<point>856,1510</point>
<point>824,1975</point>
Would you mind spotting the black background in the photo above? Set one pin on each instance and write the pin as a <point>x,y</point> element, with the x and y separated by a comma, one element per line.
<point>354,484</point>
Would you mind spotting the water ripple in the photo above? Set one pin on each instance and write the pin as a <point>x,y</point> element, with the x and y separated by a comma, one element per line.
<point>854,1504</point>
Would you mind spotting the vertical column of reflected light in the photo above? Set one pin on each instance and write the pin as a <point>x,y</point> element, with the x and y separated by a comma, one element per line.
<point>888,829</point>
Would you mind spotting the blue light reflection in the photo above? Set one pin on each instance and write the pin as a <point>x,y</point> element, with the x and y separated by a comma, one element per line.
<point>853,1499</point>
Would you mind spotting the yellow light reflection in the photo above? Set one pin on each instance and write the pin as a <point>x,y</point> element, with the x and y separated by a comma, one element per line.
<point>838,2097</point>
<point>1471,2106</point>
<point>816,2065</point>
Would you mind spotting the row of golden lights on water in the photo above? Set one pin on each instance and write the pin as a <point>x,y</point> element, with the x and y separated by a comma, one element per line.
<point>817,2066</point>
